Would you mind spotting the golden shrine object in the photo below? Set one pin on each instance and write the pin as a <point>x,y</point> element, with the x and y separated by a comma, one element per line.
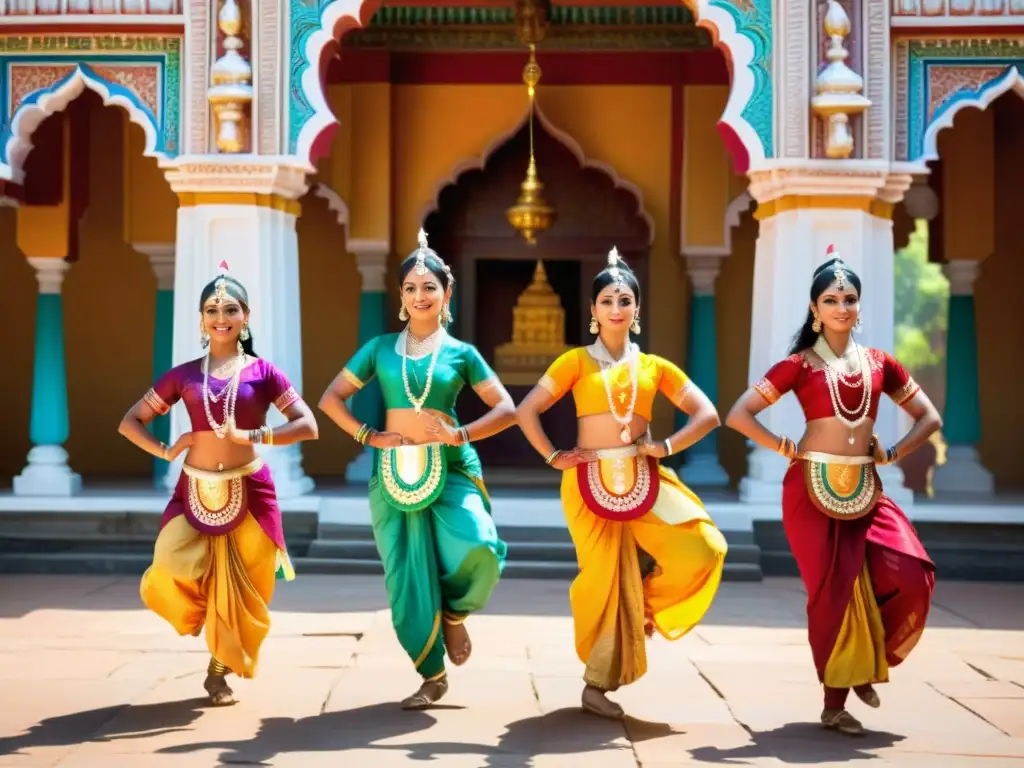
<point>538,333</point>
<point>838,87</point>
<point>231,90</point>
<point>531,214</point>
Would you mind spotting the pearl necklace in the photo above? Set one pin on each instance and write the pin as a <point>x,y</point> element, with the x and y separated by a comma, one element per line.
<point>859,377</point>
<point>417,403</point>
<point>231,391</point>
<point>607,362</point>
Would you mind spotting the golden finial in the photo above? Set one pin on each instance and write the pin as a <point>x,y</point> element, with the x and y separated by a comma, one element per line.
<point>231,83</point>
<point>838,87</point>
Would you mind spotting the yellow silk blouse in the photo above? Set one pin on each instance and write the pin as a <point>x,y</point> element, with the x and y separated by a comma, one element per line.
<point>576,370</point>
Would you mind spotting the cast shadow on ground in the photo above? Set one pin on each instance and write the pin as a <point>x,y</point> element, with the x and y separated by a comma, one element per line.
<point>562,732</point>
<point>114,723</point>
<point>800,744</point>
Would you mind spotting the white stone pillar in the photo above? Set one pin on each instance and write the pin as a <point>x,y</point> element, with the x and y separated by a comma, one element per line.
<point>243,211</point>
<point>802,210</point>
<point>372,263</point>
<point>963,471</point>
<point>47,472</point>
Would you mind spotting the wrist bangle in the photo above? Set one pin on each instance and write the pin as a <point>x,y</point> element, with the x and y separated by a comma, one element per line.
<point>551,457</point>
<point>668,446</point>
<point>164,452</point>
<point>363,434</point>
<point>267,434</point>
<point>464,433</point>
<point>891,454</point>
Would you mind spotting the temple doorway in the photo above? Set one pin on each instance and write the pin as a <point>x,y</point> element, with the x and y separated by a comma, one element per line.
<point>522,304</point>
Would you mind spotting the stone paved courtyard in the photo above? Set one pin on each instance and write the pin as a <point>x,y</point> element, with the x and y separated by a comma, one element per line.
<point>89,678</point>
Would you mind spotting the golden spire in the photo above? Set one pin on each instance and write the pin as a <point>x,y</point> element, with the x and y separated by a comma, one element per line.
<point>538,333</point>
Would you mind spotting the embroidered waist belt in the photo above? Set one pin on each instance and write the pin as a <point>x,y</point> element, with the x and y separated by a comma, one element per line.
<point>620,485</point>
<point>842,487</point>
<point>217,500</point>
<point>412,477</point>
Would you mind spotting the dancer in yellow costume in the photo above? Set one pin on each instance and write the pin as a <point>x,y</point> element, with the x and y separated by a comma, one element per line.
<point>650,558</point>
<point>221,545</point>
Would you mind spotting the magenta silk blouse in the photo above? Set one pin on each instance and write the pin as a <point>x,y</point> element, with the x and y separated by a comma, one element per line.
<point>261,386</point>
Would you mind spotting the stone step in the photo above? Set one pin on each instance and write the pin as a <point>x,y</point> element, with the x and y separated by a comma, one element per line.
<point>961,551</point>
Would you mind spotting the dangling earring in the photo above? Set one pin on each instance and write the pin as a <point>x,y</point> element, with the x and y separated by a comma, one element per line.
<point>244,335</point>
<point>403,314</point>
<point>635,327</point>
<point>857,326</point>
<point>204,337</point>
<point>446,315</point>
<point>816,325</point>
<point>594,327</point>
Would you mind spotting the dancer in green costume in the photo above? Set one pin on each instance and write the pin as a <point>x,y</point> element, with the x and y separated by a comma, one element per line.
<point>429,507</point>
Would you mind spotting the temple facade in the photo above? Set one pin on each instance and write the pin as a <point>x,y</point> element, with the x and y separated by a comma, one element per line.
<point>720,145</point>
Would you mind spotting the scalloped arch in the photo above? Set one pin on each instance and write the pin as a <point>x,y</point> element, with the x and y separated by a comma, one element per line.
<point>54,98</point>
<point>479,162</point>
<point>1011,80</point>
<point>746,124</point>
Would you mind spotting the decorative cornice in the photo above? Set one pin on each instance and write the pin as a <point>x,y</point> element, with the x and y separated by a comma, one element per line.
<point>493,28</point>
<point>50,272</point>
<point>261,175</point>
<point>870,186</point>
<point>961,275</point>
<point>161,258</point>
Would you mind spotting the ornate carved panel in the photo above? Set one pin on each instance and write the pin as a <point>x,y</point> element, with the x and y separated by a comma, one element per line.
<point>934,78</point>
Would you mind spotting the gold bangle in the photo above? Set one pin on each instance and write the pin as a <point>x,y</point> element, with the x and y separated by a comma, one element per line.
<point>268,434</point>
<point>164,452</point>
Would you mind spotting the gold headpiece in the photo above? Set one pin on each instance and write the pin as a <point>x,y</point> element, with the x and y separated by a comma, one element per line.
<point>838,268</point>
<point>220,293</point>
<point>422,251</point>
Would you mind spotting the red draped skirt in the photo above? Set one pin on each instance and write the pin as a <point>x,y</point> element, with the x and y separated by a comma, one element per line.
<point>831,554</point>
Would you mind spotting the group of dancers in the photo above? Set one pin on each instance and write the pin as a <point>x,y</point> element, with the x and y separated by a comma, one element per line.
<point>650,557</point>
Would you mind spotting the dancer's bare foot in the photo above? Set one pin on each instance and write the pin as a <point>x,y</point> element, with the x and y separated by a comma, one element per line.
<point>597,702</point>
<point>456,640</point>
<point>868,695</point>
<point>842,721</point>
<point>429,692</point>
<point>220,692</point>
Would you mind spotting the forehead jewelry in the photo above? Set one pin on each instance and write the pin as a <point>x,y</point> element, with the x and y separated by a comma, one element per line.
<point>613,267</point>
<point>220,293</point>
<point>421,253</point>
<point>838,269</point>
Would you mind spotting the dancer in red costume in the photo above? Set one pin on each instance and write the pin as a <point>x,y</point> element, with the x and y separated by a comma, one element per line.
<point>869,580</point>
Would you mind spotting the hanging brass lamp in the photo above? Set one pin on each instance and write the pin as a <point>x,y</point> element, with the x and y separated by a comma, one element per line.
<point>531,215</point>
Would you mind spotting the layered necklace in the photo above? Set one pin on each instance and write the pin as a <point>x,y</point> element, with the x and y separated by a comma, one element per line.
<point>229,393</point>
<point>604,358</point>
<point>408,344</point>
<point>852,370</point>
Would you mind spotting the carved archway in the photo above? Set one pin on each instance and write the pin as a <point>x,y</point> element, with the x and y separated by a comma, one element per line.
<point>493,265</point>
<point>968,96</point>
<point>34,108</point>
<point>742,28</point>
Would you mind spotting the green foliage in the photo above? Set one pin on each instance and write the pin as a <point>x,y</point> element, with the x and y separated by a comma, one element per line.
<point>922,305</point>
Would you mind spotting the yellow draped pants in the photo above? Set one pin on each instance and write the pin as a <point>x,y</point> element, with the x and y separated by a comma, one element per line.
<point>224,583</point>
<point>610,599</point>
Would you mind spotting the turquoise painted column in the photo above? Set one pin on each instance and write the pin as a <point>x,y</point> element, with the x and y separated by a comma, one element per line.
<point>47,472</point>
<point>963,471</point>
<point>701,465</point>
<point>368,405</point>
<point>161,259</point>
